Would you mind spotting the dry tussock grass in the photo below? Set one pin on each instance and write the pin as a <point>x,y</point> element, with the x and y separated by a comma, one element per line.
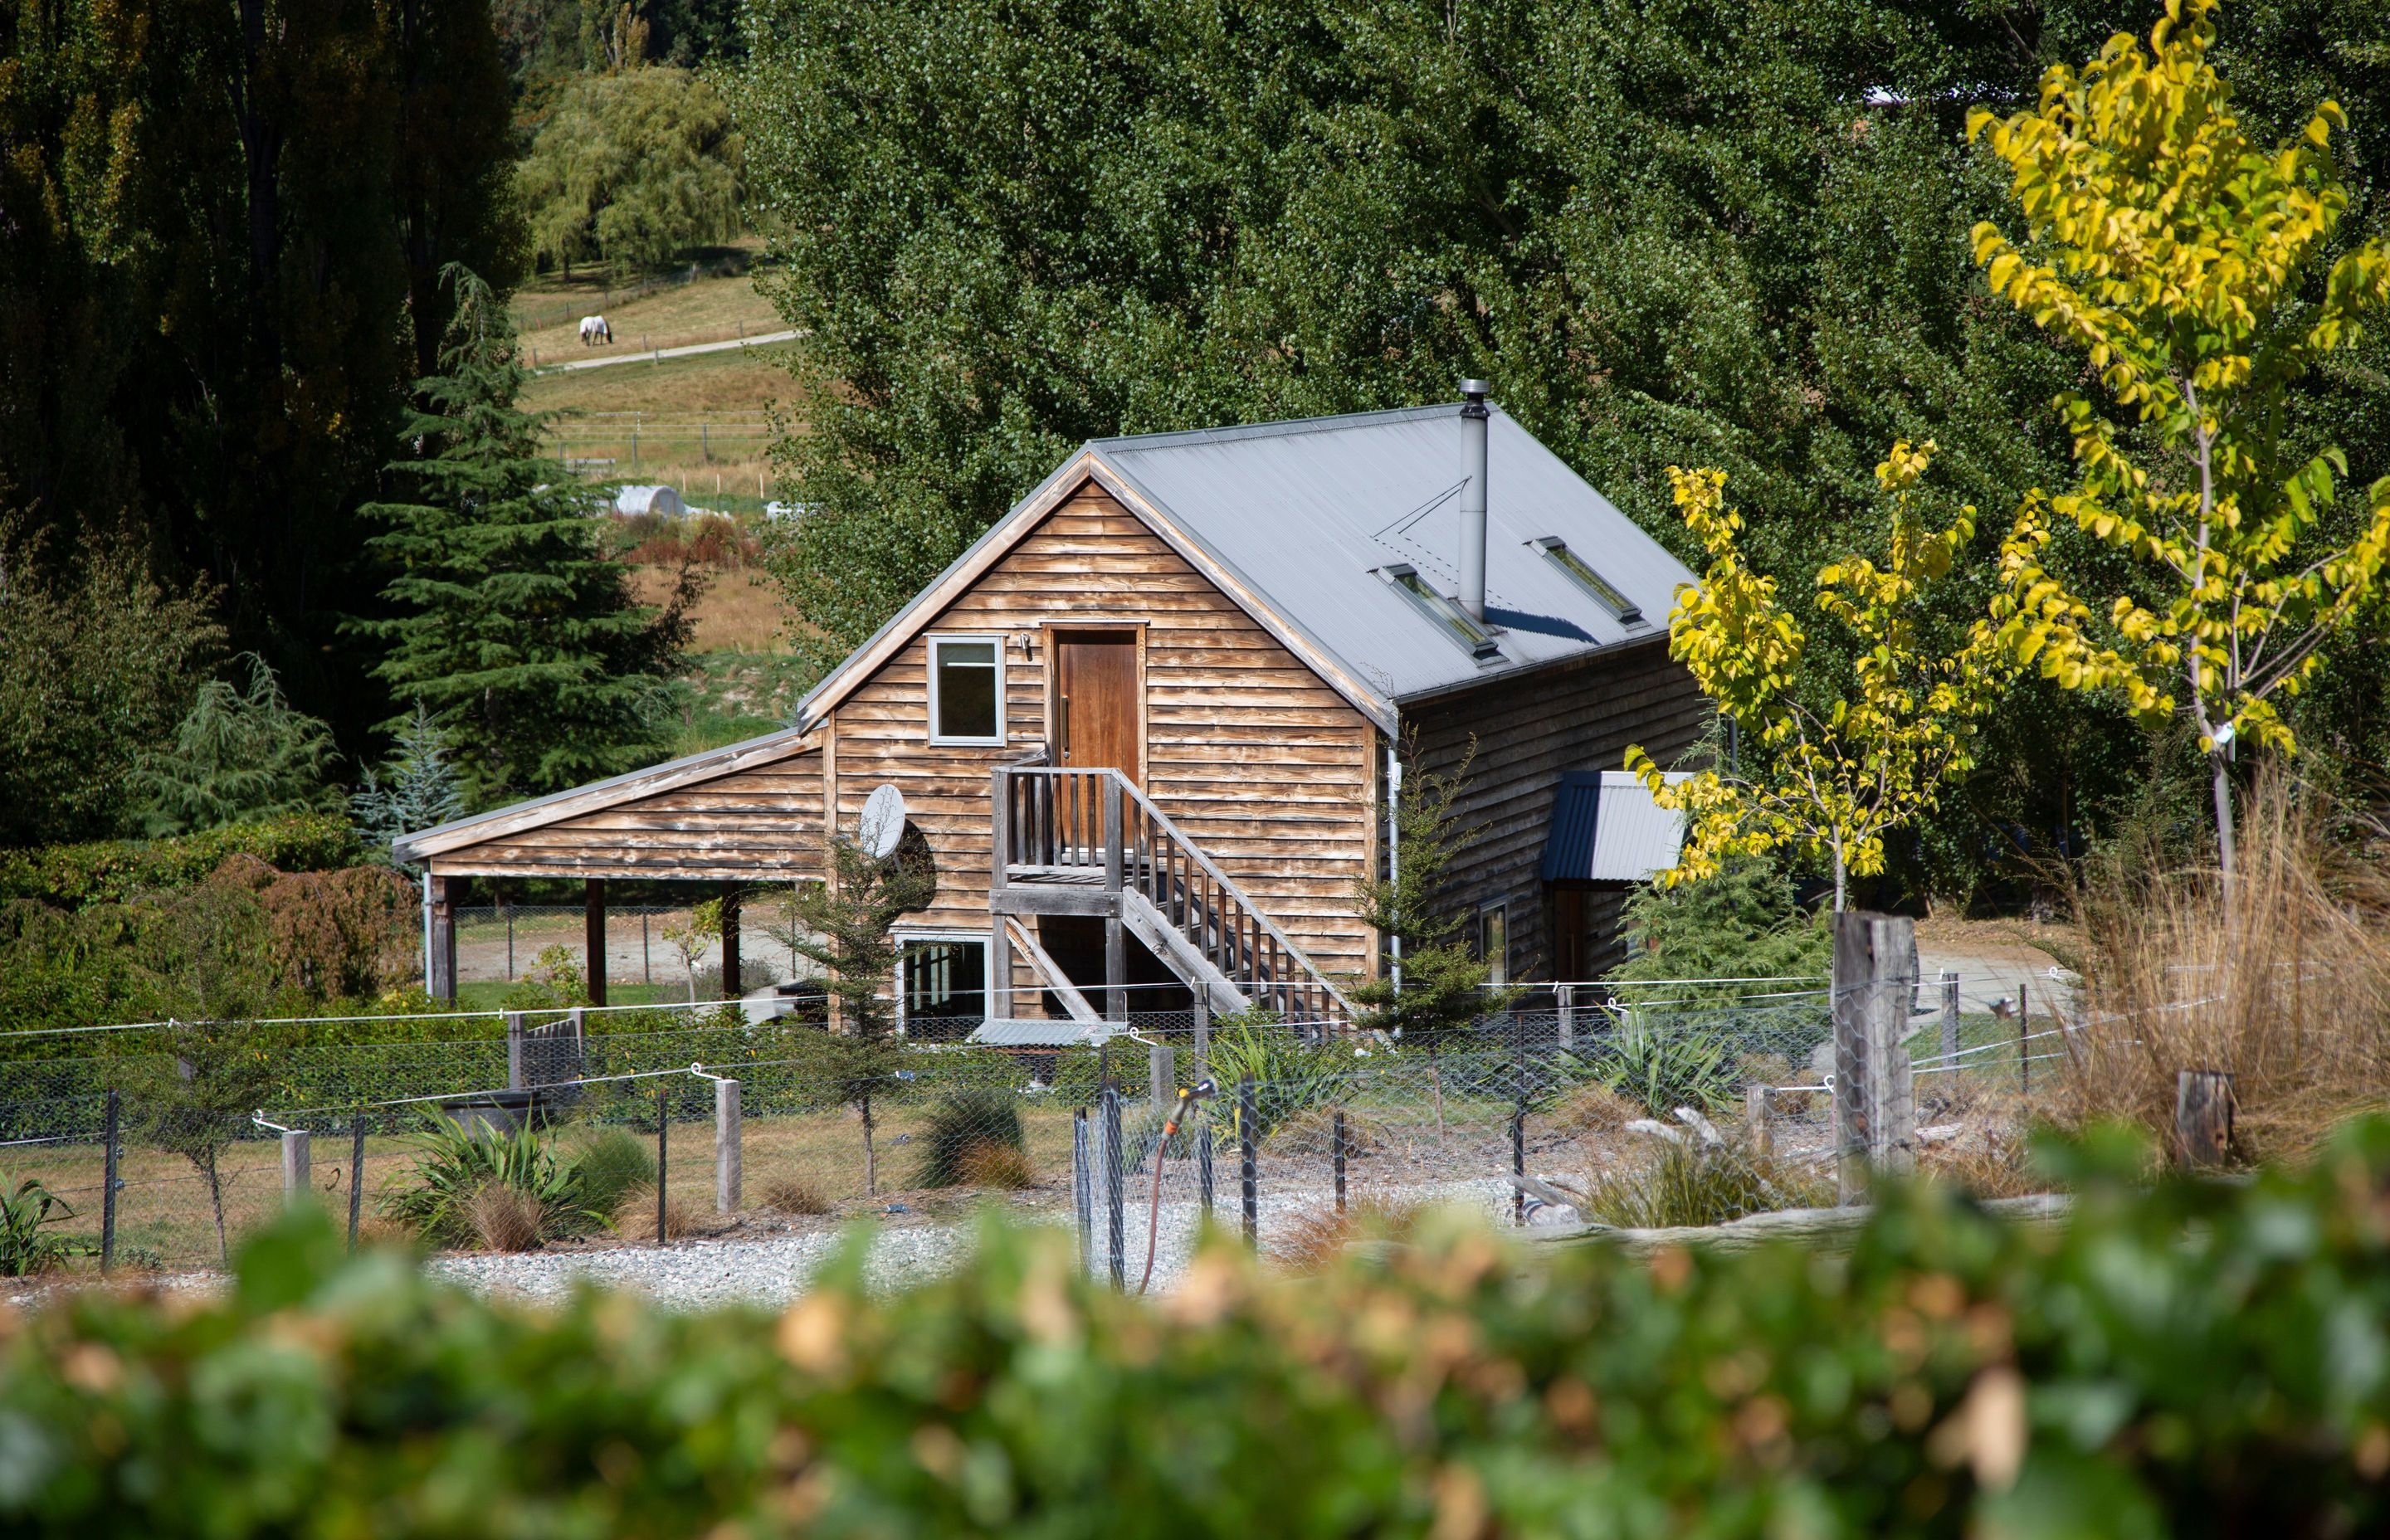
<point>1316,1241</point>
<point>990,1165</point>
<point>1312,1131</point>
<point>634,1216</point>
<point>503,1218</point>
<point>790,1193</point>
<point>2288,988</point>
<point>1591,1107</point>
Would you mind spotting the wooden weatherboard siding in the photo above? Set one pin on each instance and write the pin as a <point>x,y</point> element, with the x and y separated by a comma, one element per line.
<point>1256,759</point>
<point>1576,716</point>
<point>761,823</point>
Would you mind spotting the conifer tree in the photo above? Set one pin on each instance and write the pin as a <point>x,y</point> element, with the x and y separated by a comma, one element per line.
<point>513,630</point>
<point>845,927</point>
<point>421,789</point>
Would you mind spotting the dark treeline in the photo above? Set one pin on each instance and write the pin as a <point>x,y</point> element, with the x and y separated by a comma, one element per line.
<point>221,233</point>
<point>1669,232</point>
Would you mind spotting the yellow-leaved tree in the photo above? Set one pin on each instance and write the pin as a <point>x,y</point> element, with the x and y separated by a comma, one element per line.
<point>2183,258</point>
<point>1823,773</point>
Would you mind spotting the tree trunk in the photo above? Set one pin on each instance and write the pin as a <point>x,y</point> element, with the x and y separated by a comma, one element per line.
<point>216,1199</point>
<point>870,1155</point>
<point>2224,842</point>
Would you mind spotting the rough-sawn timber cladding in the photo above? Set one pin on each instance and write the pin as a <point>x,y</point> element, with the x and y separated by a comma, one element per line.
<point>1246,750</point>
<point>760,824</point>
<point>1580,716</point>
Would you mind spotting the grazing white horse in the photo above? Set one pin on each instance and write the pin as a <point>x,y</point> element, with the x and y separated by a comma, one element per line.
<point>595,330</point>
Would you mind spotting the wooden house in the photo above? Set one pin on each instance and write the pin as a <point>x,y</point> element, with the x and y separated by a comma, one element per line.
<point>1148,726</point>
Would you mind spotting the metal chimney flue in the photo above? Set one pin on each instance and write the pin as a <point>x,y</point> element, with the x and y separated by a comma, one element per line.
<point>1473,416</point>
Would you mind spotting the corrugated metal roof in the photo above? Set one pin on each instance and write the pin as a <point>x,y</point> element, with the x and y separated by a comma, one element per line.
<point>1310,512</point>
<point>1605,827</point>
<point>1022,1032</point>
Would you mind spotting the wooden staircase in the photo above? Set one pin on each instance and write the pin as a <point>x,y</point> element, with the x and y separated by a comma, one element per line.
<point>1072,842</point>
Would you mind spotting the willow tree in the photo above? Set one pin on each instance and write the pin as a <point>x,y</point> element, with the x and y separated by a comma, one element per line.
<point>2187,260</point>
<point>1824,774</point>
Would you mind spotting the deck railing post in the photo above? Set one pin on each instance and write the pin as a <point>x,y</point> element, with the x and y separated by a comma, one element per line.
<point>1000,802</point>
<point>1112,832</point>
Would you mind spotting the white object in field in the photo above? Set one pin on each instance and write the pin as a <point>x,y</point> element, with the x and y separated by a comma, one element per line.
<point>663,501</point>
<point>883,823</point>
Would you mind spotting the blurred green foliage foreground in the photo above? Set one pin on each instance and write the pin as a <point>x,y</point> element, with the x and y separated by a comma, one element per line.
<point>2191,1360</point>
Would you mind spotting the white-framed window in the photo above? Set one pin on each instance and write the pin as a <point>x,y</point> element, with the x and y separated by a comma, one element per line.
<point>967,689</point>
<point>1494,940</point>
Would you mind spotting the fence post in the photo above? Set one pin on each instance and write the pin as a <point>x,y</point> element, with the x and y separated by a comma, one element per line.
<point>1950,1024</point>
<point>108,1188</point>
<point>1519,1161</point>
<point>2024,1039</point>
<point>1203,1163</point>
<point>1874,1107</point>
<point>2203,1116</point>
<point>1336,1137</point>
<point>1566,1000</point>
<point>1247,1175</point>
<point>1082,1198</point>
<point>297,1166</point>
<point>514,1050</point>
<point>663,1150</point>
<point>1115,1227</point>
<point>1203,1033</point>
<point>1161,1072</point>
<point>725,1147</point>
<point>357,1175</point>
<point>1755,1121</point>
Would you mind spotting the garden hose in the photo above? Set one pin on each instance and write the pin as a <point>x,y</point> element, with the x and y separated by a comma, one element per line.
<point>1188,1097</point>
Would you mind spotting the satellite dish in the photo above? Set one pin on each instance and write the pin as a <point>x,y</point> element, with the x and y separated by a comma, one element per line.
<point>882,823</point>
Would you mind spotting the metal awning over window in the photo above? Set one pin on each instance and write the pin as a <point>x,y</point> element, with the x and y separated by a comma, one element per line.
<point>1606,829</point>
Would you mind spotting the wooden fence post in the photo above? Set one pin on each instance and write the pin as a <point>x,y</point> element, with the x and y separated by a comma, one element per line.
<point>725,1147</point>
<point>297,1166</point>
<point>1874,1100</point>
<point>357,1175</point>
<point>2025,1040</point>
<point>514,1050</point>
<point>2203,1116</point>
<point>1756,1114</point>
<point>1950,1024</point>
<point>1566,1003</point>
<point>1162,1068</point>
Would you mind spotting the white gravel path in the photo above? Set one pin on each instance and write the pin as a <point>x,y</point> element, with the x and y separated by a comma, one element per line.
<point>774,1269</point>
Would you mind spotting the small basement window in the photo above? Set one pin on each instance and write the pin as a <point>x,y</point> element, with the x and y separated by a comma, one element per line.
<point>945,981</point>
<point>1605,593</point>
<point>966,689</point>
<point>1440,609</point>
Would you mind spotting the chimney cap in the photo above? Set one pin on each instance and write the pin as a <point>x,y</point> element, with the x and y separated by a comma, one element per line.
<point>1474,390</point>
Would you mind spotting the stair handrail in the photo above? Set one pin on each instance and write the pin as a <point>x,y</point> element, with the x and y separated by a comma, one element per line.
<point>1195,852</point>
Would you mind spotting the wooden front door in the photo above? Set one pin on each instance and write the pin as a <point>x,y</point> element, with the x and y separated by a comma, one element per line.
<point>1099,702</point>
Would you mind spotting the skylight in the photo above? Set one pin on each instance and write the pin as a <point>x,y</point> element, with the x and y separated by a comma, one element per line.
<point>1443,610</point>
<point>1604,592</point>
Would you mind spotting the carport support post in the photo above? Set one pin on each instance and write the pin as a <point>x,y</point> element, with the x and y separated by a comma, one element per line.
<point>725,1147</point>
<point>439,939</point>
<point>298,1166</point>
<point>593,934</point>
<point>730,990</point>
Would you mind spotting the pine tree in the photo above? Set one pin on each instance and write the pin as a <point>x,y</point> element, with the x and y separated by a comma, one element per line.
<point>514,630</point>
<point>238,755</point>
<point>844,925</point>
<point>422,790</point>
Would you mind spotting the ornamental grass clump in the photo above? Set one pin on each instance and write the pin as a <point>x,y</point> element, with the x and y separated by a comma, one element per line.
<point>500,1190</point>
<point>966,1128</point>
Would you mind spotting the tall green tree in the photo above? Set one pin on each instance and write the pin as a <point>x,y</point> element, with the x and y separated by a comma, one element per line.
<point>239,755</point>
<point>512,629</point>
<point>635,168</point>
<point>223,225</point>
<point>416,788</point>
<point>1670,233</point>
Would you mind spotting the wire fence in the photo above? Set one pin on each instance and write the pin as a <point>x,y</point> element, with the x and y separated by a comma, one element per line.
<point>741,1118</point>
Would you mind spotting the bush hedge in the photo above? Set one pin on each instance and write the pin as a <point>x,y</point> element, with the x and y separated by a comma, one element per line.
<point>111,871</point>
<point>2199,1359</point>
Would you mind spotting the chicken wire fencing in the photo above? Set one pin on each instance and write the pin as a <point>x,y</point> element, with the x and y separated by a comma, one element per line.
<point>676,1122</point>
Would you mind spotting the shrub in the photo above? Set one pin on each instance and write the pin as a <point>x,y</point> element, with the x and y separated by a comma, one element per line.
<point>1289,1076</point>
<point>2192,1359</point>
<point>635,1214</point>
<point>1661,1069</point>
<point>962,1124</point>
<point>28,1245</point>
<point>111,871</point>
<point>998,1167</point>
<point>612,1162</point>
<point>1701,1184</point>
<point>443,1197</point>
